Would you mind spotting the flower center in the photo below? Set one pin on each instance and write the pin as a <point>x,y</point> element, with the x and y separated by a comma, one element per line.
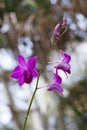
<point>28,77</point>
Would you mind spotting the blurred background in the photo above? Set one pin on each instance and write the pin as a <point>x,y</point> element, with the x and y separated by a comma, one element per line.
<point>26,28</point>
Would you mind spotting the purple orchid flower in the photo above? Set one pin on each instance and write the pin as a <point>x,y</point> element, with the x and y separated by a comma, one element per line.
<point>56,84</point>
<point>64,63</point>
<point>25,71</point>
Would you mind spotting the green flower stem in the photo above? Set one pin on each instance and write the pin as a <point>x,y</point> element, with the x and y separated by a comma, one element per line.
<point>31,101</point>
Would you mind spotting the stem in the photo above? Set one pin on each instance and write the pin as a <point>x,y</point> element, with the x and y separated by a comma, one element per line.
<point>31,101</point>
<point>44,86</point>
<point>53,62</point>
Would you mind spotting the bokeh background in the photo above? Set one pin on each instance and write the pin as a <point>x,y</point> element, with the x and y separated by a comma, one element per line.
<point>26,28</point>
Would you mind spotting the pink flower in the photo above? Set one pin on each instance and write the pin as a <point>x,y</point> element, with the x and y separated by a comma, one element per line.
<point>25,71</point>
<point>64,63</point>
<point>56,84</point>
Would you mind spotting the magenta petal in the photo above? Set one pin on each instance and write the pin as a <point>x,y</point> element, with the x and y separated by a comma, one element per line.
<point>63,66</point>
<point>52,87</point>
<point>21,80</point>
<point>57,29</point>
<point>57,78</point>
<point>35,73</point>
<point>65,56</point>
<point>22,61</point>
<point>17,68</point>
<point>55,87</point>
<point>16,74</point>
<point>32,62</point>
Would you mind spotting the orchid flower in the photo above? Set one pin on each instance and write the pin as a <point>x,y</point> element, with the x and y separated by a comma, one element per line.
<point>25,71</point>
<point>56,84</point>
<point>64,63</point>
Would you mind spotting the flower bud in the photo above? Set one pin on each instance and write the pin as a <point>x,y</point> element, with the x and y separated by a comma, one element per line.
<point>64,21</point>
<point>57,29</point>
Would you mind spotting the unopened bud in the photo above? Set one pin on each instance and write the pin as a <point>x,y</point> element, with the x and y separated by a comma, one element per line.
<point>57,29</point>
<point>64,21</point>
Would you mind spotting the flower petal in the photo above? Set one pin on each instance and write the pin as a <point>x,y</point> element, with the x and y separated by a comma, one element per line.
<point>22,61</point>
<point>56,87</point>
<point>65,56</point>
<point>63,66</point>
<point>34,73</point>
<point>32,62</point>
<point>57,29</point>
<point>57,78</point>
<point>21,80</point>
<point>16,74</point>
<point>17,68</point>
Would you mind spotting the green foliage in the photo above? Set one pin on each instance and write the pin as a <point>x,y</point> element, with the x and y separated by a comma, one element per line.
<point>11,5</point>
